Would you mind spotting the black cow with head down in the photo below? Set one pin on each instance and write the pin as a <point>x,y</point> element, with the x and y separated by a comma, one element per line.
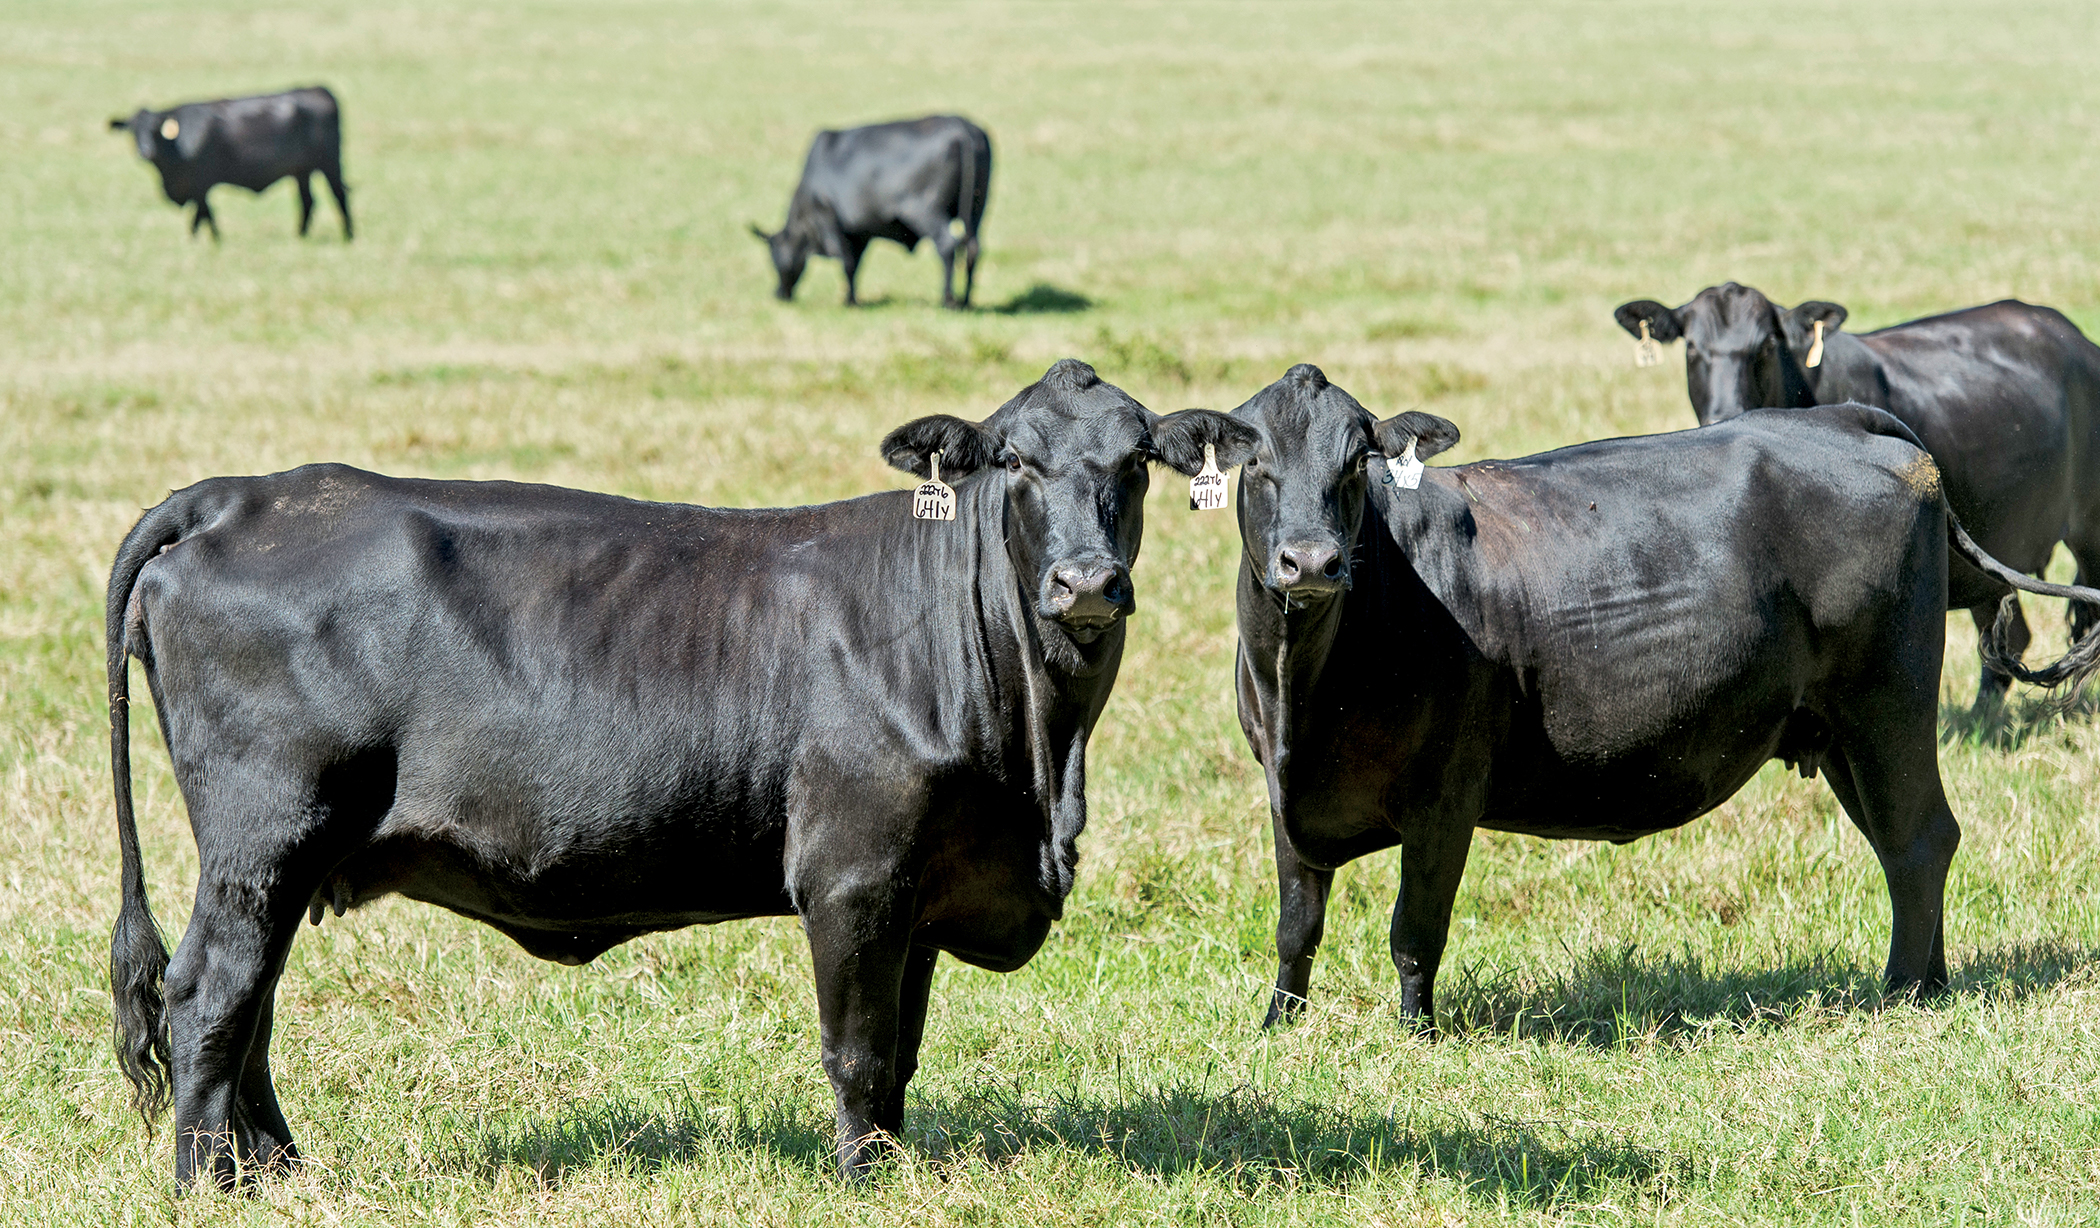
<point>581,718</point>
<point>1597,643</point>
<point>905,181</point>
<point>248,142</point>
<point>2006,397</point>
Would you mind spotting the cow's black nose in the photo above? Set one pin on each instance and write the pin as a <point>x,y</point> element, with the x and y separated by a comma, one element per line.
<point>1309,567</point>
<point>1084,594</point>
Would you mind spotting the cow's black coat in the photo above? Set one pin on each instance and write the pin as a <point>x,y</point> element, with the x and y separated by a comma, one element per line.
<point>2006,397</point>
<point>902,181</point>
<point>248,142</point>
<point>582,718</point>
<point>1597,643</point>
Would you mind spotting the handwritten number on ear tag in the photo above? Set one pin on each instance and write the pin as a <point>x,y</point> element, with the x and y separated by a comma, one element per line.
<point>1207,488</point>
<point>1647,352</point>
<point>1406,472</point>
<point>933,499</point>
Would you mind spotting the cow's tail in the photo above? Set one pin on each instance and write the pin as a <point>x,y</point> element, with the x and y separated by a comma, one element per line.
<point>138,958</point>
<point>966,191</point>
<point>2076,667</point>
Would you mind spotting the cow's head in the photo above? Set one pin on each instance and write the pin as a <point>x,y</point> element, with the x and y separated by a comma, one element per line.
<point>1065,458</point>
<point>1302,489</point>
<point>1736,355</point>
<point>790,257</point>
<point>146,128</point>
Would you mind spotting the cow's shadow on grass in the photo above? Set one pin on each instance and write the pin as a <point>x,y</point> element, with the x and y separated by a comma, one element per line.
<point>1253,1141</point>
<point>1042,298</point>
<point>1613,996</point>
<point>1239,1136</point>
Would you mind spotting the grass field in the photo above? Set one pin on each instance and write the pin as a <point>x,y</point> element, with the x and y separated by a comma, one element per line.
<point>1440,205</point>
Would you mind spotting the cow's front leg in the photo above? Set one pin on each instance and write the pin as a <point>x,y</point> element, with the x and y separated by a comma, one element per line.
<point>1432,860</point>
<point>851,248</point>
<point>860,950</point>
<point>306,199</point>
<point>1301,919</point>
<point>912,1001</point>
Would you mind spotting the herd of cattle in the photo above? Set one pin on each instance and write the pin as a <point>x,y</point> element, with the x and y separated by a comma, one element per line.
<point>581,718</point>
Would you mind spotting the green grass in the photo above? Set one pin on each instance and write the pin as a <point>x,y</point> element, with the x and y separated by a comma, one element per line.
<point>552,281</point>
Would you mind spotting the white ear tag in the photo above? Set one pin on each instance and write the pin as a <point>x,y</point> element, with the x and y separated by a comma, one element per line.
<point>1815,348</point>
<point>1207,488</point>
<point>1406,472</point>
<point>934,499</point>
<point>169,129</point>
<point>1647,352</point>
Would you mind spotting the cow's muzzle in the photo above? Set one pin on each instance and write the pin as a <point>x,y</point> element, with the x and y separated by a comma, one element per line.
<point>1088,596</point>
<point>1308,569</point>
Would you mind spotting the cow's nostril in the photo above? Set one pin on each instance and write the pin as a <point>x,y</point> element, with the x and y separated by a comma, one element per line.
<point>1333,568</point>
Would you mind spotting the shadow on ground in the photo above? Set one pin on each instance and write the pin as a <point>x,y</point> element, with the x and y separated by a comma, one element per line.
<point>2027,715</point>
<point>1239,1136</point>
<point>1042,298</point>
<point>1614,995</point>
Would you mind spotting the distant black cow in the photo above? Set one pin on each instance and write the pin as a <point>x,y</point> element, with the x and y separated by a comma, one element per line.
<point>902,181</point>
<point>582,718</point>
<point>248,142</point>
<point>1597,643</point>
<point>2006,397</point>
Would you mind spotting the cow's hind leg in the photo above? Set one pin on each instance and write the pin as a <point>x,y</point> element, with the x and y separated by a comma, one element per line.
<point>1301,921</point>
<point>970,250</point>
<point>1888,781</point>
<point>1432,860</point>
<point>306,200</point>
<point>1991,686</point>
<point>333,173</point>
<point>202,216</point>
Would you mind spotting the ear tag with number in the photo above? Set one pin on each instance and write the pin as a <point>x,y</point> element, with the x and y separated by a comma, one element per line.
<point>933,499</point>
<point>1647,352</point>
<point>169,129</point>
<point>1406,472</point>
<point>1207,488</point>
<point>1815,348</point>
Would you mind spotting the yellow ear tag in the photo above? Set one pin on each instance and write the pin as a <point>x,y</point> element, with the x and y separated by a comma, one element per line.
<point>1647,352</point>
<point>933,499</point>
<point>169,129</point>
<point>1815,348</point>
<point>1207,488</point>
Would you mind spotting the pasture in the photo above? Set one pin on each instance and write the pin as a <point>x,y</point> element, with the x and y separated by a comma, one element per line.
<point>553,281</point>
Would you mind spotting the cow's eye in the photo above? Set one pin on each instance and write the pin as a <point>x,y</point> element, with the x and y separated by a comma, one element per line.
<point>1013,463</point>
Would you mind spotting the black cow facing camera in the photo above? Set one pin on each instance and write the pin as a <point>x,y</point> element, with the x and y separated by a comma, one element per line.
<point>1597,643</point>
<point>903,181</point>
<point>247,142</point>
<point>581,718</point>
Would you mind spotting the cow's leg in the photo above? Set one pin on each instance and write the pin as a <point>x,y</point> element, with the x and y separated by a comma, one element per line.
<point>333,173</point>
<point>1432,860</point>
<point>218,990</point>
<point>1301,920</point>
<point>851,248</point>
<point>202,216</point>
<point>944,242</point>
<point>1888,781</point>
<point>912,1000</point>
<point>969,268</point>
<point>306,199</point>
<point>1991,686</point>
<point>270,1143</point>
<point>860,950</point>
<point>2086,549</point>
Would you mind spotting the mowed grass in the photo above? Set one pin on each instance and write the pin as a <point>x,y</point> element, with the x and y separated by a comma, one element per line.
<point>552,281</point>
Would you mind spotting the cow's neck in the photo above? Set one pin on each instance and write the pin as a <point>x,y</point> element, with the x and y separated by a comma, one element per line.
<point>1850,371</point>
<point>1284,646</point>
<point>1043,693</point>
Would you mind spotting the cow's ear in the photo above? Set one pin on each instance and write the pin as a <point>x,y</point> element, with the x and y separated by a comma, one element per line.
<point>1662,322</point>
<point>1178,440</point>
<point>1805,316</point>
<point>965,447</point>
<point>1429,433</point>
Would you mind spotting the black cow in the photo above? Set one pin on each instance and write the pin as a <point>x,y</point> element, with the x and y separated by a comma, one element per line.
<point>902,181</point>
<point>581,718</point>
<point>2006,398</point>
<point>1597,643</point>
<point>248,142</point>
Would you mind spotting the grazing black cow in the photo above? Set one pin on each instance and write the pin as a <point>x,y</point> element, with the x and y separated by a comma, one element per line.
<point>902,181</point>
<point>248,142</point>
<point>1597,643</point>
<point>2006,398</point>
<point>582,718</point>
